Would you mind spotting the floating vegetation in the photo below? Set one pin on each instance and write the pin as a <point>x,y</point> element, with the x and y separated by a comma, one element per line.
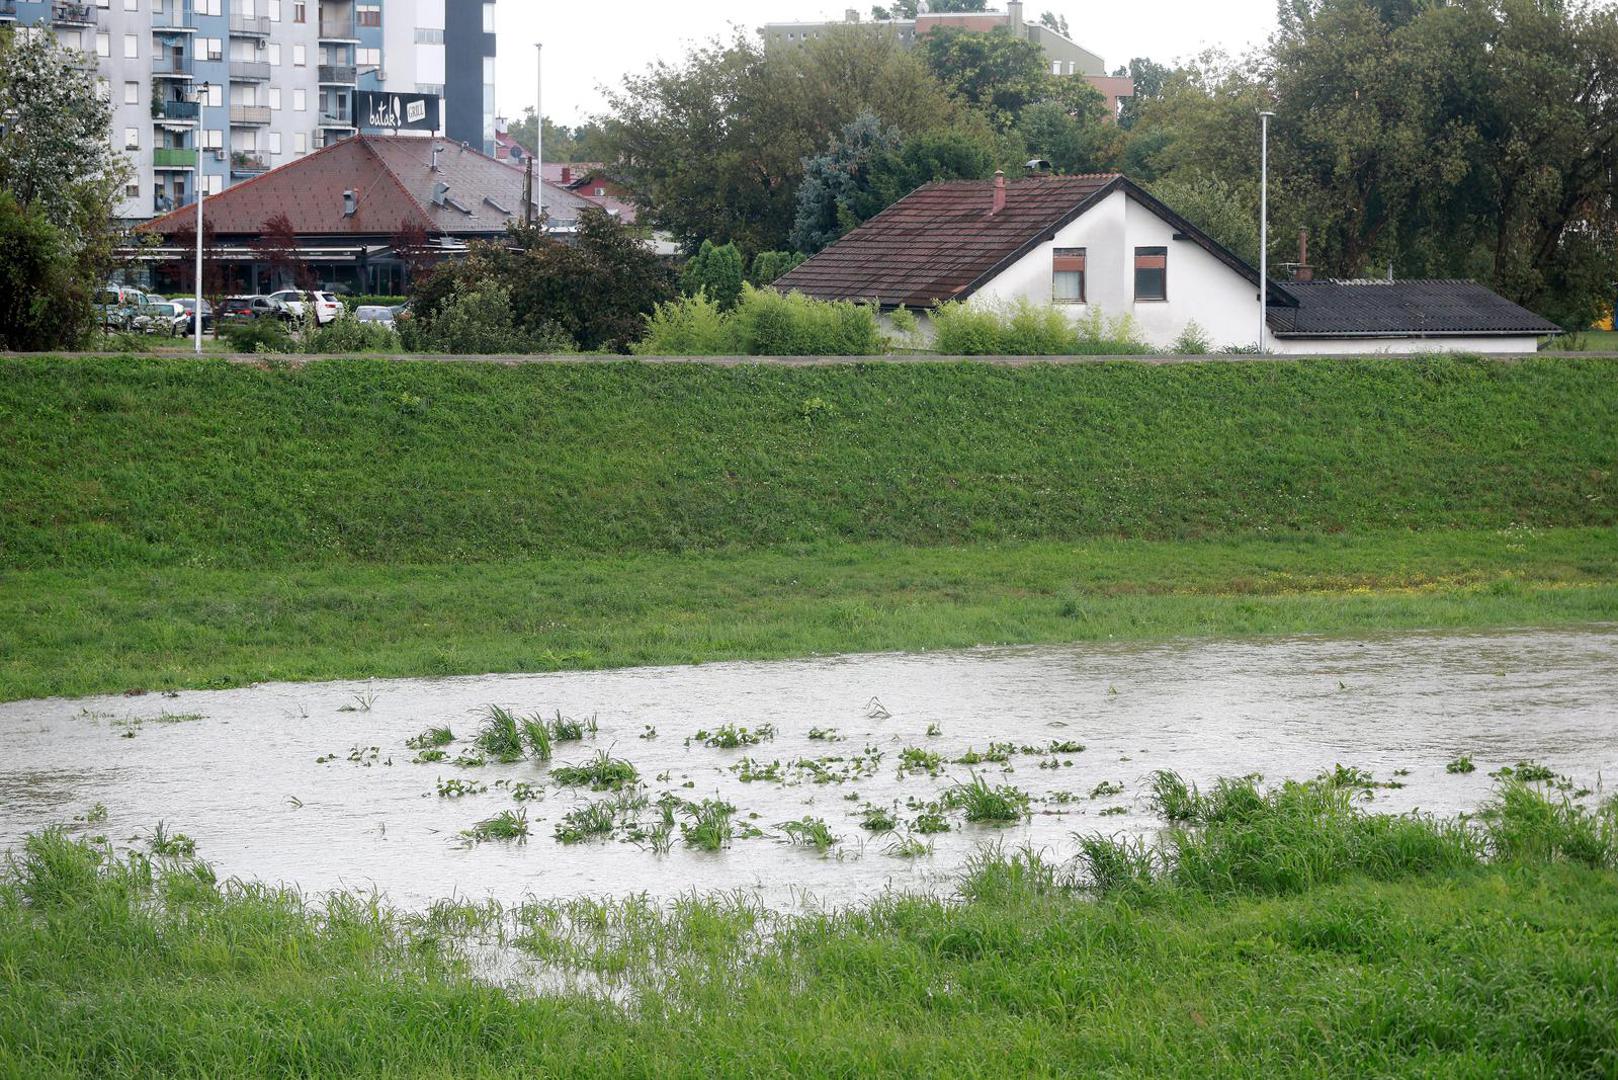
<point>1106,789</point>
<point>933,730</point>
<point>913,759</point>
<point>364,755</point>
<point>730,737</point>
<point>1529,772</point>
<point>432,737</point>
<point>811,832</point>
<point>470,759</point>
<point>649,733</point>
<point>908,847</point>
<point>878,819</point>
<point>749,770</point>
<point>425,757</point>
<point>1351,778</point>
<point>506,825</point>
<point>95,815</point>
<point>172,845</point>
<point>456,788</point>
<point>1461,766</point>
<point>1067,746</point>
<point>177,718</point>
<point>500,736</point>
<point>1114,811</point>
<point>980,802</point>
<point>567,729</point>
<point>602,773</point>
<point>818,734</point>
<point>998,753</point>
<point>710,827</point>
<point>523,791</point>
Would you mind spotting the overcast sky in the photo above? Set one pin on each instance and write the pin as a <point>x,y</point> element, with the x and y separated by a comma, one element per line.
<point>587,46</point>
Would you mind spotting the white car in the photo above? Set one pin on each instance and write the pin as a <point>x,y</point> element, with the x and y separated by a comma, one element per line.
<point>327,306</point>
<point>375,313</point>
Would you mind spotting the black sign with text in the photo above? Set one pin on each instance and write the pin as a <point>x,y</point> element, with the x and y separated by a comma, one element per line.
<point>404,112</point>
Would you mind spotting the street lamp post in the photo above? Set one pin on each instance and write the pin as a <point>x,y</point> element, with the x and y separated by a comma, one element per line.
<point>1263,224</point>
<point>539,132</point>
<point>196,312</point>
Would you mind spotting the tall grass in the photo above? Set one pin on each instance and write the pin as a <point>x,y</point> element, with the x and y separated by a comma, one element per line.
<point>763,323</point>
<point>1024,328</point>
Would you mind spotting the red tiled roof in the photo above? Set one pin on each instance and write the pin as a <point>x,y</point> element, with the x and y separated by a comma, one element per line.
<point>392,178</point>
<point>942,240</point>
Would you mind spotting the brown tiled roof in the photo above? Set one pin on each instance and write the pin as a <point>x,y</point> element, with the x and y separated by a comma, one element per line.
<point>1422,308</point>
<point>942,242</point>
<point>392,178</point>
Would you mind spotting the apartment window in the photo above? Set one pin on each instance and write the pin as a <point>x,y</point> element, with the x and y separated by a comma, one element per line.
<point>275,98</point>
<point>427,35</point>
<point>275,53</point>
<point>368,58</point>
<point>488,18</point>
<point>131,47</point>
<point>300,142</point>
<point>300,56</point>
<point>131,93</point>
<point>275,144</point>
<point>132,190</point>
<point>1067,276</point>
<point>368,14</point>
<point>300,11</point>
<point>213,48</point>
<point>1151,273</point>
<point>215,184</point>
<point>275,10</point>
<point>103,44</point>
<point>300,100</point>
<point>132,5</point>
<point>131,138</point>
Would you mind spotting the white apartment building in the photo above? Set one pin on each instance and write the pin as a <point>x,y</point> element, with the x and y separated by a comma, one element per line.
<point>256,83</point>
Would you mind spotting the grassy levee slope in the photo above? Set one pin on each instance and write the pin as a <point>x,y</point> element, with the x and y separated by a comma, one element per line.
<point>134,491</point>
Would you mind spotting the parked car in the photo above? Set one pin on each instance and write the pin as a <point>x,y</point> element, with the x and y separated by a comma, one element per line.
<point>118,306</point>
<point>375,313</point>
<point>238,309</point>
<point>327,306</point>
<point>188,303</point>
<point>164,318</point>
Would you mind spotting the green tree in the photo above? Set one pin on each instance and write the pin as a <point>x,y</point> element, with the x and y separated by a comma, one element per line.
<point>836,193</point>
<point>716,272</point>
<point>995,72</point>
<point>1052,21</point>
<point>714,145</point>
<point>769,265</point>
<point>58,164</point>
<point>1223,211</point>
<point>42,300</point>
<point>1148,77</point>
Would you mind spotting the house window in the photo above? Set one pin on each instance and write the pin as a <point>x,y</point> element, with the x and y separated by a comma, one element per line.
<point>368,14</point>
<point>131,93</point>
<point>1151,273</point>
<point>300,11</point>
<point>1067,276</point>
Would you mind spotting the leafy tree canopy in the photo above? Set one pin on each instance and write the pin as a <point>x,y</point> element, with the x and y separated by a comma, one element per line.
<point>995,72</point>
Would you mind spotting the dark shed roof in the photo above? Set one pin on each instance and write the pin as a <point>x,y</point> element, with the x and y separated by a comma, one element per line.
<point>1416,308</point>
<point>942,241</point>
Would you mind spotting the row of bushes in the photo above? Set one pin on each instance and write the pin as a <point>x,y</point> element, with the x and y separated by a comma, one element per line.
<point>354,303</point>
<point>1026,329</point>
<point>763,322</point>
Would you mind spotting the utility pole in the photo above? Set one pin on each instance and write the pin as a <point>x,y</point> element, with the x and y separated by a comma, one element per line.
<point>1263,224</point>
<point>196,314</point>
<point>539,131</point>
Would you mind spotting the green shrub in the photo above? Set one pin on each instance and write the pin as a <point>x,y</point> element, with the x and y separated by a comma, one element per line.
<point>346,334</point>
<point>1193,341</point>
<point>481,322</point>
<point>259,335</point>
<point>1028,329</point>
<point>763,323</point>
<point>716,271</point>
<point>769,265</point>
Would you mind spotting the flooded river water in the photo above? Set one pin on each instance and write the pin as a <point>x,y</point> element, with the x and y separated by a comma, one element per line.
<point>313,784</point>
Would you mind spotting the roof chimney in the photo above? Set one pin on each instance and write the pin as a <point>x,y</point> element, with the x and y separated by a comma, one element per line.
<point>349,203</point>
<point>440,193</point>
<point>1014,17</point>
<point>999,192</point>
<point>1303,271</point>
<point>567,175</point>
<point>436,151</point>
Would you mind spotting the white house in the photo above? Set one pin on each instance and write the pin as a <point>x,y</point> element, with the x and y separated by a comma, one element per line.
<point>1089,243</point>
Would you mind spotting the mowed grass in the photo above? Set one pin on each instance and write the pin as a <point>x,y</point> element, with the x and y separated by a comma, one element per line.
<point>178,523</point>
<point>1285,933</point>
<point>73,633</point>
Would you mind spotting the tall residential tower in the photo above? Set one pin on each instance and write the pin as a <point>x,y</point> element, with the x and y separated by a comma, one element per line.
<point>258,83</point>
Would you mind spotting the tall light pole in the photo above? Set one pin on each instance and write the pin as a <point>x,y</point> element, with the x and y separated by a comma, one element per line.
<point>539,133</point>
<point>1263,224</point>
<point>196,313</point>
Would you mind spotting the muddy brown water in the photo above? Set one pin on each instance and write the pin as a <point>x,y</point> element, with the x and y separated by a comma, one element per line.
<point>262,777</point>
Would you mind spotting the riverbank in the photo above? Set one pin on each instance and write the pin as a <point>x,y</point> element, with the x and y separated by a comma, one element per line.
<point>1284,933</point>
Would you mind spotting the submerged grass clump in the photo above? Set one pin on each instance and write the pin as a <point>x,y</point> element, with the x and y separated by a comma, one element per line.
<point>500,736</point>
<point>592,821</point>
<point>981,802</point>
<point>811,832</point>
<point>601,773</point>
<point>569,729</point>
<point>506,825</point>
<point>432,737</point>
<point>710,827</point>
<point>730,737</point>
<point>1461,765</point>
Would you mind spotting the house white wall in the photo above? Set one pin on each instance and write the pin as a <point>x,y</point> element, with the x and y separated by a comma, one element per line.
<point>1401,346</point>
<point>1200,287</point>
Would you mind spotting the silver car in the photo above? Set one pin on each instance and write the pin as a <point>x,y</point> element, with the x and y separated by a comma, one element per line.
<point>375,313</point>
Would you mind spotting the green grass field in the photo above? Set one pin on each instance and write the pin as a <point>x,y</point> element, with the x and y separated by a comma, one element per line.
<point>181,523</point>
<point>1279,934</point>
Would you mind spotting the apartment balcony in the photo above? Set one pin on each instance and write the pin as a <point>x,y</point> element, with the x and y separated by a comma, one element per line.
<point>187,112</point>
<point>167,204</point>
<point>337,74</point>
<point>249,71</point>
<point>172,67</point>
<point>174,157</point>
<point>248,26</point>
<point>249,115</point>
<point>178,20</point>
<point>337,29</point>
<point>8,10</point>
<point>73,14</point>
<point>342,118</point>
<point>246,164</point>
